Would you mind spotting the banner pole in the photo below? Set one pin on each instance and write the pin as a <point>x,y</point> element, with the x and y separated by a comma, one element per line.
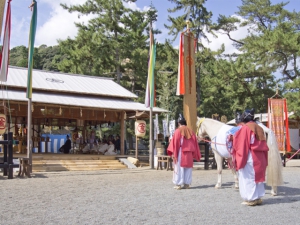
<point>29,131</point>
<point>151,152</point>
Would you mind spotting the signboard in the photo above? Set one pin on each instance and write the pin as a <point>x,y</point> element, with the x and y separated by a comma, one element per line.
<point>140,128</point>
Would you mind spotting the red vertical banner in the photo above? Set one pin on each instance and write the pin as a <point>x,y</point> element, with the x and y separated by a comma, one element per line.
<point>278,122</point>
<point>180,78</point>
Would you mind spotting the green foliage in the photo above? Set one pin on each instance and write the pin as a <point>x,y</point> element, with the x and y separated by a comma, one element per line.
<point>44,58</point>
<point>166,79</point>
<point>113,43</point>
<point>195,12</point>
<point>271,45</point>
<point>18,56</point>
<point>292,90</point>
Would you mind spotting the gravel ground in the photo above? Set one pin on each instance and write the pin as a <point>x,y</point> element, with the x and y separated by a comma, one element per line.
<point>141,196</point>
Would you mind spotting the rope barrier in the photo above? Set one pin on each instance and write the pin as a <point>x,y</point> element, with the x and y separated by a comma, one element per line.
<point>292,156</point>
<point>202,139</point>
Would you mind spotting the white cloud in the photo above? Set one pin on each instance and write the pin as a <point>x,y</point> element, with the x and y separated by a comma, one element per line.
<point>131,5</point>
<point>216,42</point>
<point>60,25</point>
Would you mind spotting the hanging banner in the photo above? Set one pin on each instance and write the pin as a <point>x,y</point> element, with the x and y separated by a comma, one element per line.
<point>154,130</point>
<point>172,128</point>
<point>156,124</point>
<point>165,128</point>
<point>140,128</point>
<point>278,122</point>
<point>2,124</point>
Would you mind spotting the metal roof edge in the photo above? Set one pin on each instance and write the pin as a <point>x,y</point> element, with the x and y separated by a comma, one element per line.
<point>132,95</point>
<point>58,72</point>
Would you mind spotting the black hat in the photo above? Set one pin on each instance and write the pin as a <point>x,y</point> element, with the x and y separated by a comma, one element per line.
<point>181,119</point>
<point>238,117</point>
<point>248,115</point>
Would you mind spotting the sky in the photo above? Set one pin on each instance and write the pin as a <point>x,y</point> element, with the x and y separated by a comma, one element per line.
<point>56,23</point>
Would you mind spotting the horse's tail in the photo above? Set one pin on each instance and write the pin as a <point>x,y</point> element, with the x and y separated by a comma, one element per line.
<point>274,169</point>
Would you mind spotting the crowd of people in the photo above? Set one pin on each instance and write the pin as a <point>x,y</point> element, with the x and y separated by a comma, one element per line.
<point>107,146</point>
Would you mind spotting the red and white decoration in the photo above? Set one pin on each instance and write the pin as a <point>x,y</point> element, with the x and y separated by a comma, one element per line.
<point>140,128</point>
<point>2,124</point>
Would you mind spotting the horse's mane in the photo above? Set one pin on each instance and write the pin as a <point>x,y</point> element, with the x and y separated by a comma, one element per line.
<point>211,120</point>
<point>214,121</point>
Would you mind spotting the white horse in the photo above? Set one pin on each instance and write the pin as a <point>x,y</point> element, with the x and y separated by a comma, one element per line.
<point>217,133</point>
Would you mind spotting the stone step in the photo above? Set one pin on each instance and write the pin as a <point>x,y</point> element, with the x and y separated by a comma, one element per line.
<point>75,165</point>
<point>76,168</point>
<point>51,162</point>
<point>94,166</point>
<point>73,157</point>
<point>49,168</point>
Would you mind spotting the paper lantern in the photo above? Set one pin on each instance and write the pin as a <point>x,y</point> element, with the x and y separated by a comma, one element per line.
<point>2,123</point>
<point>74,136</point>
<point>140,128</point>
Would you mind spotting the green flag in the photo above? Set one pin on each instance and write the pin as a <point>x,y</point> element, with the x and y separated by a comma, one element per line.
<point>31,47</point>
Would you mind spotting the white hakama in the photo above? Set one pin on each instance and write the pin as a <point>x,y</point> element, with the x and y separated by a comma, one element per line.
<point>110,150</point>
<point>181,175</point>
<point>249,189</point>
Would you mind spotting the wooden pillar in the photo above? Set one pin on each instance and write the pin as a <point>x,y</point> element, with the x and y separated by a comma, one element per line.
<point>39,139</point>
<point>46,144</point>
<point>189,98</point>
<point>136,147</point>
<point>122,132</point>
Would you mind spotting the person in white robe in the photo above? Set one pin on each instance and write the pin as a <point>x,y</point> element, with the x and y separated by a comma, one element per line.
<point>110,149</point>
<point>102,148</point>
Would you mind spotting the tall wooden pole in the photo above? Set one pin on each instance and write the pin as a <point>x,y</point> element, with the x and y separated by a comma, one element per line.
<point>136,147</point>
<point>29,134</point>
<point>190,96</point>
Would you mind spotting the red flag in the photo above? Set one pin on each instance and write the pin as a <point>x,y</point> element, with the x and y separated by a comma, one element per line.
<point>4,57</point>
<point>180,78</point>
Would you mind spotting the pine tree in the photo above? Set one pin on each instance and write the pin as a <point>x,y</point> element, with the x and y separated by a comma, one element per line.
<point>98,45</point>
<point>200,19</point>
<point>272,43</point>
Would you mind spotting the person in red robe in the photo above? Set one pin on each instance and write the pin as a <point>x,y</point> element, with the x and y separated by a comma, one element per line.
<point>250,151</point>
<point>184,149</point>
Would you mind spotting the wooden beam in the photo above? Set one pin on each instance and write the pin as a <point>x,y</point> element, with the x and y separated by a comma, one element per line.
<point>122,132</point>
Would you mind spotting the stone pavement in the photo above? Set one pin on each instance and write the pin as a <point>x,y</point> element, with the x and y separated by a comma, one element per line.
<point>142,196</point>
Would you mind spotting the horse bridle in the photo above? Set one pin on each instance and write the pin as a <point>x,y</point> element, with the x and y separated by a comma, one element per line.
<point>199,125</point>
